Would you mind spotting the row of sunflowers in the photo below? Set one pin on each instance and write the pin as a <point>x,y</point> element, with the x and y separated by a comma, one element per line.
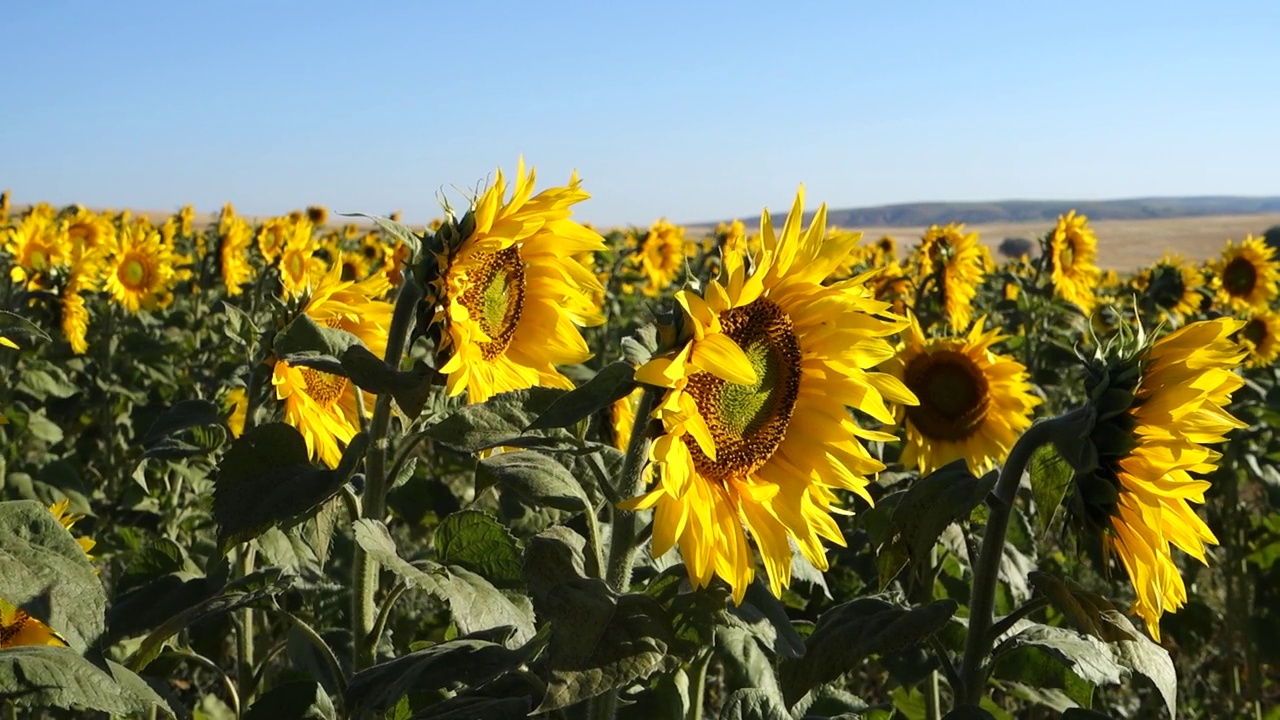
<point>327,465</point>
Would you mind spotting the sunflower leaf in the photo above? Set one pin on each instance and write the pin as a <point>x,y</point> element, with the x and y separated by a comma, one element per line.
<point>403,233</point>
<point>306,336</point>
<point>754,704</point>
<point>850,632</point>
<point>43,676</point>
<point>14,326</point>
<point>614,382</point>
<point>267,480</point>
<point>477,541</point>
<point>536,478</point>
<point>179,431</point>
<point>410,389</point>
<point>1047,656</point>
<point>500,420</point>
<point>935,501</point>
<point>295,699</point>
<point>46,573</point>
<point>1051,477</point>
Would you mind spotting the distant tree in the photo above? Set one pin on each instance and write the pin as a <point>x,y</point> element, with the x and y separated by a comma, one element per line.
<point>1014,248</point>
<point>1272,236</point>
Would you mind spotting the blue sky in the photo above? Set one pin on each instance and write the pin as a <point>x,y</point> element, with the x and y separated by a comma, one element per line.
<point>689,110</point>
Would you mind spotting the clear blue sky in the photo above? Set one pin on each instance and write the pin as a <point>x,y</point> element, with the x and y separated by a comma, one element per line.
<point>689,110</point>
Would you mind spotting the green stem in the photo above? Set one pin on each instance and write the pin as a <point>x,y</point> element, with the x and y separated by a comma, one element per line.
<point>698,691</point>
<point>986,573</point>
<point>622,539</point>
<point>326,654</point>
<point>244,639</point>
<point>213,667</point>
<point>364,568</point>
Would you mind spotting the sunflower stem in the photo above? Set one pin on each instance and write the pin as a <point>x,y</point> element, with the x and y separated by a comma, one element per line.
<point>622,538</point>
<point>986,572</point>
<point>374,503</point>
<point>244,639</point>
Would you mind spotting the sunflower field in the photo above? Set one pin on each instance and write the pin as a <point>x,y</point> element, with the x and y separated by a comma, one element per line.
<point>507,466</point>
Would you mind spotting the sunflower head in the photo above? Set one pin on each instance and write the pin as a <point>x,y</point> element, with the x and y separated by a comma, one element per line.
<point>17,628</point>
<point>1072,250</point>
<point>661,256</point>
<point>1261,337</point>
<point>233,256</point>
<point>299,263</point>
<point>140,269</point>
<point>1246,277</point>
<point>952,263</point>
<point>757,439</point>
<point>1154,408</point>
<point>1171,288</point>
<point>68,521</point>
<point>508,293</point>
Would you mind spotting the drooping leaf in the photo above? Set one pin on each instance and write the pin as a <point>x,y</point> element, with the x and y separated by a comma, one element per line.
<point>43,676</point>
<point>500,420</point>
<point>17,328</point>
<point>934,502</point>
<point>307,338</point>
<point>302,699</point>
<point>552,557</point>
<point>1051,477</point>
<point>850,632</point>
<point>753,704</point>
<point>185,429</point>
<point>1047,656</point>
<point>476,605</point>
<point>466,662</point>
<point>765,617</point>
<point>403,233</point>
<point>614,382</point>
<point>45,382</point>
<point>478,542</point>
<point>477,708</point>
<point>267,480</point>
<point>538,479</point>
<point>410,388</point>
<point>44,571</point>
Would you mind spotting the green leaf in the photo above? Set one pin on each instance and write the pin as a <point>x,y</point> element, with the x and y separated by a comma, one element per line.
<point>745,663</point>
<point>15,327</point>
<point>554,556</point>
<point>935,501</point>
<point>614,382</point>
<point>765,617</point>
<point>459,662</point>
<point>601,642</point>
<point>1029,656</point>
<point>175,434</point>
<point>639,347</point>
<point>968,712</point>
<point>266,480</point>
<point>849,633</point>
<point>39,676</point>
<point>46,573</point>
<point>307,338</point>
<point>538,479</point>
<point>477,708</point>
<point>500,420</point>
<point>403,233</point>
<point>250,590</point>
<point>753,704</point>
<point>410,389</point>
<point>302,699</point>
<point>1145,657</point>
<point>477,541</point>
<point>476,605</point>
<point>46,382</point>
<point>1051,477</point>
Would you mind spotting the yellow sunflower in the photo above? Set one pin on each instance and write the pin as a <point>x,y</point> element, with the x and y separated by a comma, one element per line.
<point>1246,276</point>
<point>974,403</point>
<point>394,263</point>
<point>1073,249</point>
<point>354,265</point>
<point>34,246</point>
<point>662,254</point>
<point>233,256</point>
<point>1154,413</point>
<point>186,220</point>
<point>512,296</point>
<point>1261,337</point>
<point>757,431</point>
<point>17,628</point>
<point>139,269</point>
<point>622,417</point>
<point>236,406</point>
<point>300,268</point>
<point>75,321</point>
<point>1171,288</point>
<point>68,521</point>
<point>322,406</point>
<point>957,263</point>
<point>89,232</point>
<point>272,236</point>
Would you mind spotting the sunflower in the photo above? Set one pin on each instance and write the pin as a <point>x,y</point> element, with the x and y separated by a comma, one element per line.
<point>622,418</point>
<point>318,215</point>
<point>512,297</point>
<point>300,268</point>
<point>75,321</point>
<point>139,269</point>
<point>323,407</point>
<point>1073,248</point>
<point>236,406</point>
<point>233,256</point>
<point>957,263</point>
<point>974,403</point>
<point>354,265</point>
<point>271,238</point>
<point>34,246</point>
<point>886,249</point>
<point>1261,337</point>
<point>1171,288</point>
<point>893,285</point>
<point>1154,411</point>
<point>186,219</point>
<point>394,263</point>
<point>662,254</point>
<point>756,430</point>
<point>68,521</point>
<point>17,628</point>
<point>88,232</point>
<point>1246,276</point>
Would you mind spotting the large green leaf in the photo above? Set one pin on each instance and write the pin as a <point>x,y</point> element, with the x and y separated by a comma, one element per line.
<point>305,338</point>
<point>538,479</point>
<point>753,704</point>
<point>614,382</point>
<point>44,571</point>
<point>1030,654</point>
<point>478,542</point>
<point>185,429</point>
<point>470,662</point>
<point>1051,477</point>
<point>500,420</point>
<point>302,699</point>
<point>849,633</point>
<point>42,676</point>
<point>267,480</point>
<point>552,557</point>
<point>410,388</point>
<point>474,602</point>
<point>934,502</point>
<point>765,617</point>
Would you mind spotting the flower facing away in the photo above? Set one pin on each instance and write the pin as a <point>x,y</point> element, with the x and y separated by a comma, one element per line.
<point>974,403</point>
<point>1155,411</point>
<point>17,629</point>
<point>1171,288</point>
<point>956,262</point>
<point>139,270</point>
<point>323,407</point>
<point>233,256</point>
<point>622,418</point>
<point>512,297</point>
<point>756,428</point>
<point>1261,337</point>
<point>1246,276</point>
<point>662,255</point>
<point>1073,248</point>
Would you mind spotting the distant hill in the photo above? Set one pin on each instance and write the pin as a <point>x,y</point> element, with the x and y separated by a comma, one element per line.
<point>1016,211</point>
